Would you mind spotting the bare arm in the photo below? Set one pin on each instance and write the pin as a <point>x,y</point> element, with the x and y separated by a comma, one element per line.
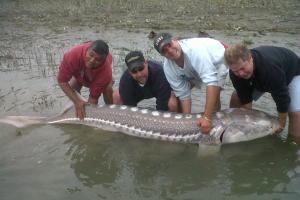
<point>282,121</point>
<point>212,100</point>
<point>108,94</point>
<point>78,102</point>
<point>211,105</point>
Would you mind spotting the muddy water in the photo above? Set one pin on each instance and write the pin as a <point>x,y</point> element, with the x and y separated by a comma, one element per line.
<point>76,162</point>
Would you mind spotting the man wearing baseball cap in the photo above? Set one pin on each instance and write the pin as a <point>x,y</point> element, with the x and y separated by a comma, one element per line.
<point>144,79</point>
<point>194,62</point>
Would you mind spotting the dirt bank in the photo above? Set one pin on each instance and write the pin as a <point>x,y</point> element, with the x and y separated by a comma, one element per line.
<point>229,15</point>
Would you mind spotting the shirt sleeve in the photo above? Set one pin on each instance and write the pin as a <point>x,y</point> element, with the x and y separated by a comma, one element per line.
<point>162,90</point>
<point>204,66</point>
<point>276,82</point>
<point>65,70</point>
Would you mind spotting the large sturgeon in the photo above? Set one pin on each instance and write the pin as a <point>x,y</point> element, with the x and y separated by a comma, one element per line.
<point>230,125</point>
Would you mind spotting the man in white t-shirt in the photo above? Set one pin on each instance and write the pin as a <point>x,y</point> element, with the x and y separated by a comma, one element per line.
<point>193,62</point>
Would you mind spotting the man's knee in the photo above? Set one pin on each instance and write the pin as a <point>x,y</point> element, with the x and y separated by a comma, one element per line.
<point>109,88</point>
<point>173,104</point>
<point>235,101</point>
<point>117,98</point>
<point>294,124</point>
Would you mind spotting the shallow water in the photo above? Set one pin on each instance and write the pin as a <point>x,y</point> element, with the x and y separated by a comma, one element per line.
<point>77,162</point>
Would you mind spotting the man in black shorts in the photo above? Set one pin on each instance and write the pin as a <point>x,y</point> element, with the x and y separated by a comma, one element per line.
<point>144,79</point>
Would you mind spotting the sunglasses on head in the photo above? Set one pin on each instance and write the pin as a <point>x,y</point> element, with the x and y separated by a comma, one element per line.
<point>137,69</point>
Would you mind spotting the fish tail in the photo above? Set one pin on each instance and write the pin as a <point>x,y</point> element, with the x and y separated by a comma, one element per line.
<point>22,121</point>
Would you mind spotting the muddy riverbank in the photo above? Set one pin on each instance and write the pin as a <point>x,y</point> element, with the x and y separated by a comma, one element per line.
<point>228,15</point>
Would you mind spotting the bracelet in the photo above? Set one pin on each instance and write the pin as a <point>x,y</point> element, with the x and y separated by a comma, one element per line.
<point>206,118</point>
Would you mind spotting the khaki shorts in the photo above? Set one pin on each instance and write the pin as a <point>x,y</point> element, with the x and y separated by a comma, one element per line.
<point>294,92</point>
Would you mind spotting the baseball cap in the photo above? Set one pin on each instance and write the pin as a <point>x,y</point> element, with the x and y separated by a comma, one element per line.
<point>134,59</point>
<point>161,40</point>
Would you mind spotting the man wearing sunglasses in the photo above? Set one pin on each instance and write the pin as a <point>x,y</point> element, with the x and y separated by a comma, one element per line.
<point>90,65</point>
<point>194,62</point>
<point>144,79</point>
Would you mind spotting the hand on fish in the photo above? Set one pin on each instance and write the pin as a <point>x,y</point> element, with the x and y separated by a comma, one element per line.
<point>80,109</point>
<point>205,125</point>
<point>277,130</point>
